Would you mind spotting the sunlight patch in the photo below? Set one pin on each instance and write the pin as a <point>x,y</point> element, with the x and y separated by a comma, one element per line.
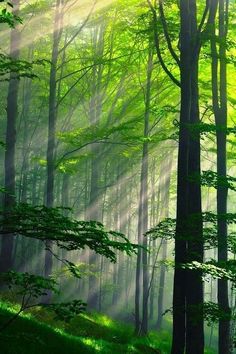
<point>92,343</point>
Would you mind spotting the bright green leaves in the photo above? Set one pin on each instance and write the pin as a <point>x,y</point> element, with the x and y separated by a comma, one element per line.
<point>7,16</point>
<point>30,288</point>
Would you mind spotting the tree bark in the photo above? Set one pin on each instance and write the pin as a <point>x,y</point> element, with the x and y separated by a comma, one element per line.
<point>219,98</point>
<point>7,241</point>
<point>143,214</point>
<point>179,293</point>
<point>194,288</point>
<point>165,214</point>
<point>52,129</point>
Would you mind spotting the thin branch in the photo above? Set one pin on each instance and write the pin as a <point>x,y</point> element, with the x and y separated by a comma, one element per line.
<point>79,30</point>
<point>166,33</point>
<point>200,30</point>
<point>157,45</point>
<point>75,150</point>
<point>76,72</point>
<point>153,268</point>
<point>71,88</point>
<point>204,16</point>
<point>100,141</point>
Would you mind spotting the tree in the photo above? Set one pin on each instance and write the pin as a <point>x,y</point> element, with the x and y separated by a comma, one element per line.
<point>187,334</point>
<point>52,124</point>
<point>6,260</point>
<point>219,104</point>
<point>141,326</point>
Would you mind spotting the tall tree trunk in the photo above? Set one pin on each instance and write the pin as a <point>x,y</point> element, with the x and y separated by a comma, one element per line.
<point>188,333</point>
<point>153,221</point>
<point>52,128</point>
<point>95,110</point>
<point>219,96</point>
<point>143,214</point>
<point>27,93</point>
<point>7,241</point>
<point>93,214</point>
<point>179,293</point>
<point>194,284</point>
<point>165,214</point>
<point>65,202</point>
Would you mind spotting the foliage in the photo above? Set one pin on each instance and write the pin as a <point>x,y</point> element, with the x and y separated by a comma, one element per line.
<point>31,288</point>
<point>165,229</point>
<point>217,270</point>
<point>86,333</point>
<point>211,179</point>
<point>213,312</point>
<point>208,128</point>
<point>28,286</point>
<point>27,335</point>
<point>20,68</point>
<point>42,223</point>
<point>65,311</point>
<point>6,16</point>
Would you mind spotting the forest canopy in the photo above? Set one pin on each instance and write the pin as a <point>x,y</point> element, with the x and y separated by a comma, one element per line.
<point>118,178</point>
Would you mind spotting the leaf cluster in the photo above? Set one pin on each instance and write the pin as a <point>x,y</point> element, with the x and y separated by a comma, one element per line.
<point>20,68</point>
<point>42,223</point>
<point>212,179</point>
<point>66,311</point>
<point>30,285</point>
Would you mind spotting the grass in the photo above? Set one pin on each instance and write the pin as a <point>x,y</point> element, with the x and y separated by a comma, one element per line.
<point>37,332</point>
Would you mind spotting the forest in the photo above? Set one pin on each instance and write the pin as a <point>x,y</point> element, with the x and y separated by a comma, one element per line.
<point>117,186</point>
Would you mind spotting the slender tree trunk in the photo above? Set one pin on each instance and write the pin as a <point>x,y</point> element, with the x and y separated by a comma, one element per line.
<point>156,207</point>
<point>96,102</point>
<point>219,94</point>
<point>7,241</point>
<point>65,192</point>
<point>116,227</point>
<point>165,214</point>
<point>27,92</point>
<point>93,214</point>
<point>52,129</point>
<point>143,214</point>
<point>222,192</point>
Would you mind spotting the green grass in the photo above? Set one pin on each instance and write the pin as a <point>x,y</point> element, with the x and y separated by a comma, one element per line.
<point>38,332</point>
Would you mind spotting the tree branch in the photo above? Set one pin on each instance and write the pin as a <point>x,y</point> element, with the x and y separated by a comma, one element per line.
<point>79,30</point>
<point>157,45</point>
<point>166,33</point>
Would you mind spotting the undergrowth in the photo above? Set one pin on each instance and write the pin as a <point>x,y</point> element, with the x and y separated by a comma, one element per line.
<point>38,332</point>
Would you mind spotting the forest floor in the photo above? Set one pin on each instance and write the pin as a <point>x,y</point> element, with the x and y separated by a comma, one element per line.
<point>38,332</point>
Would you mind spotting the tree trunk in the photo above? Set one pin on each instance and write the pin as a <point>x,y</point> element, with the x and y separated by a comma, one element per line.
<point>219,95</point>
<point>143,213</point>
<point>194,288</point>
<point>7,241</point>
<point>179,293</point>
<point>52,129</point>
<point>93,212</point>
<point>165,214</point>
